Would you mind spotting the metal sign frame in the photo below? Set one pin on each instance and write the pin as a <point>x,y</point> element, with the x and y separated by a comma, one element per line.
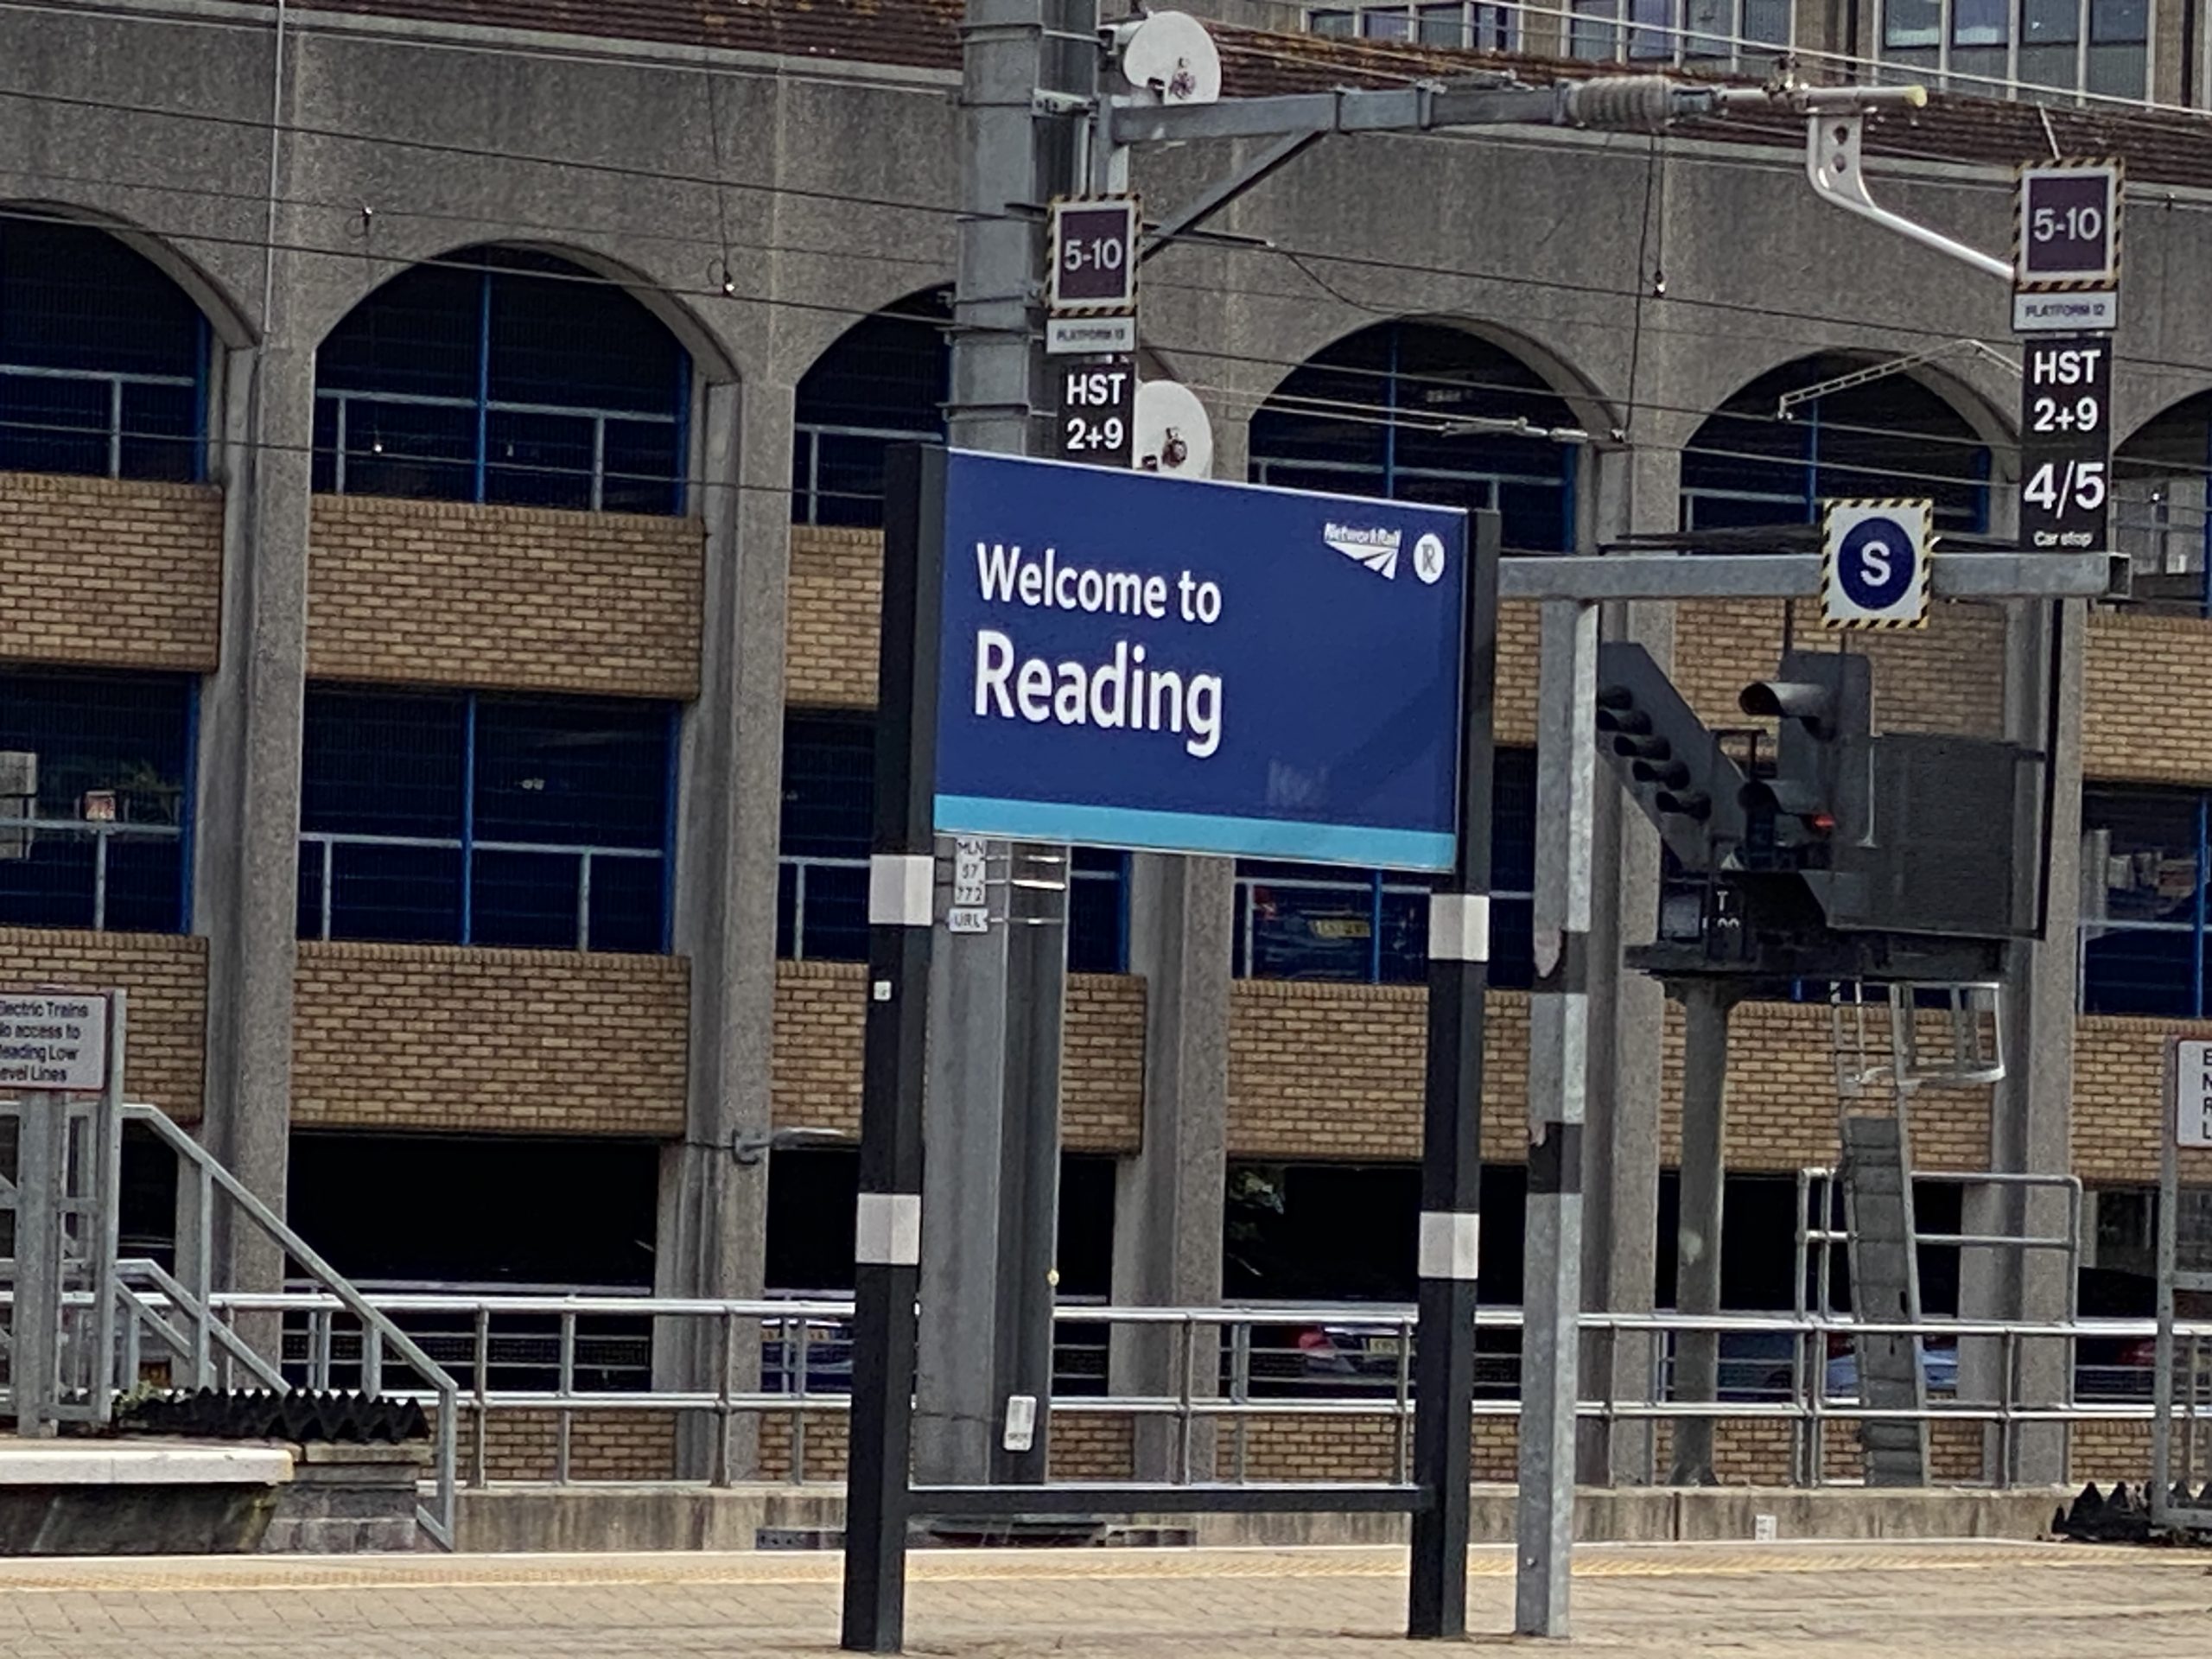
<point>881,1499</point>
<point>2172,1507</point>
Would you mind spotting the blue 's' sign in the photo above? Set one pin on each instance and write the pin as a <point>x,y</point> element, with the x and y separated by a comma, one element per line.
<point>1137,661</point>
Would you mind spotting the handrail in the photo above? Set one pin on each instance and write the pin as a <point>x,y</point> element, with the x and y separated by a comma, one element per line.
<point>438,1522</point>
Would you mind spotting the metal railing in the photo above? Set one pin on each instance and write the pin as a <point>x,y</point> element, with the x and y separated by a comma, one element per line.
<point>846,927</point>
<point>1232,1370</point>
<point>321,847</point>
<point>1747,37</point>
<point>111,430</point>
<point>19,835</point>
<point>477,458</point>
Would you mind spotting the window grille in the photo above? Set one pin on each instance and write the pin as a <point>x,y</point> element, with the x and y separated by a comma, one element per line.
<point>821,896</point>
<point>470,818</point>
<point>103,359</point>
<point>884,382</point>
<point>96,795</point>
<point>2143,924</point>
<point>503,376</point>
<point>1893,436</point>
<point>1303,921</point>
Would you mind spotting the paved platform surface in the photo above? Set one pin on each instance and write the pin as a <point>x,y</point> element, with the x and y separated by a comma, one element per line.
<point>1965,1601</point>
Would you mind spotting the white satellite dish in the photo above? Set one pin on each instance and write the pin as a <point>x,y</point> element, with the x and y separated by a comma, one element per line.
<point>1173,436</point>
<point>1170,55</point>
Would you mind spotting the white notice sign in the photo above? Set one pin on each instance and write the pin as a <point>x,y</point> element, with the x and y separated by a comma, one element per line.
<point>2193,1094</point>
<point>52,1040</point>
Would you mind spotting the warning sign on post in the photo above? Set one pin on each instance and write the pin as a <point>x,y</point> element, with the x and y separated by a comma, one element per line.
<point>2193,1094</point>
<point>52,1040</point>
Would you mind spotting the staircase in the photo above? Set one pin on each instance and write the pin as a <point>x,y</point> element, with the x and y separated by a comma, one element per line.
<point>1885,1288</point>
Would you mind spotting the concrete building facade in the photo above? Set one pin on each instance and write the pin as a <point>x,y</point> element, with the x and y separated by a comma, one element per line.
<point>440,484</point>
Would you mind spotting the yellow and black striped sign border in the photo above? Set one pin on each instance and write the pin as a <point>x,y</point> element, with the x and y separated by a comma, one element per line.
<point>2067,284</point>
<point>1876,504</point>
<point>1101,198</point>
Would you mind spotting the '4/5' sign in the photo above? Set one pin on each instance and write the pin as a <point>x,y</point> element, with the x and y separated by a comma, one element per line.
<point>2065,444</point>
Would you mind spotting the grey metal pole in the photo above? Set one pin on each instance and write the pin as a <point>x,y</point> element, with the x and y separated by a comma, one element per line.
<point>995,1050</point>
<point>42,1123</point>
<point>1559,1024</point>
<point>1697,1272</point>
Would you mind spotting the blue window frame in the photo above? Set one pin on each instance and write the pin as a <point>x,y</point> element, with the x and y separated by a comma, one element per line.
<point>2143,931</point>
<point>1421,412</point>
<point>103,359</point>
<point>96,792</point>
<point>1310,921</point>
<point>462,818</point>
<point>505,376</point>
<point>1891,436</point>
<point>884,382</point>
<point>822,894</point>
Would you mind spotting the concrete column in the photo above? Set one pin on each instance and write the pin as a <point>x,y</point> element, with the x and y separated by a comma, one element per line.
<point>1168,1199</point>
<point>1632,489</point>
<point>246,846</point>
<point>2031,1127</point>
<point>712,1227</point>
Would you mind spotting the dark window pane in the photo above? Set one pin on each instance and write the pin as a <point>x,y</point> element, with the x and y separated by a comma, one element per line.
<point>629,900</point>
<point>537,461</point>
<point>78,299</point>
<point>419,452</point>
<point>1444,26</point>
<point>2141,970</point>
<point>526,901</point>
<point>382,763</point>
<point>2049,22</point>
<point>401,895</point>
<point>562,336</point>
<point>830,912</point>
<point>419,334</point>
<point>50,425</point>
<point>884,381</point>
<point>111,748</point>
<point>2150,872</point>
<point>2117,22</point>
<point>643,468</point>
<point>160,439</point>
<point>573,771</point>
<point>1912,22</point>
<point>1980,22</point>
<point>829,786</point>
<point>1095,896</point>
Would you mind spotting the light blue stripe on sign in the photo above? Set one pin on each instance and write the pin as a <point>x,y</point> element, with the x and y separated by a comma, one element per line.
<point>1194,832</point>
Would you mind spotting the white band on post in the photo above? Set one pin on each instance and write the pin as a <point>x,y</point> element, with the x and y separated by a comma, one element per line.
<point>888,1229</point>
<point>1451,1244</point>
<point>1458,927</point>
<point>901,889</point>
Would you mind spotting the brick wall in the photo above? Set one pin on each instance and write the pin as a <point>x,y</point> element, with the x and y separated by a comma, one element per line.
<point>818,1054</point>
<point>2136,662</point>
<point>167,977</point>
<point>602,1446</point>
<point>522,598</point>
<point>836,598</point>
<point>2119,1092</point>
<point>111,573</point>
<point>1948,676</point>
<point>1783,1101</point>
<point>1322,1070</point>
<point>1334,1071</point>
<point>438,1037</point>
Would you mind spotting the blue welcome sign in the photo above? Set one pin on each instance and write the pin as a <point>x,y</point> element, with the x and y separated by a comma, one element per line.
<point>1128,660</point>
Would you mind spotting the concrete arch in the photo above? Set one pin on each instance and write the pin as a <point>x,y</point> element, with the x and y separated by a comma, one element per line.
<point>2142,423</point>
<point>712,361</point>
<point>225,313</point>
<point>1594,412</point>
<point>1978,391</point>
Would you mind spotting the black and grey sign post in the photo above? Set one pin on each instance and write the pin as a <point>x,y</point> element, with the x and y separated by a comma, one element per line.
<point>887,1232</point>
<point>1450,1146</point>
